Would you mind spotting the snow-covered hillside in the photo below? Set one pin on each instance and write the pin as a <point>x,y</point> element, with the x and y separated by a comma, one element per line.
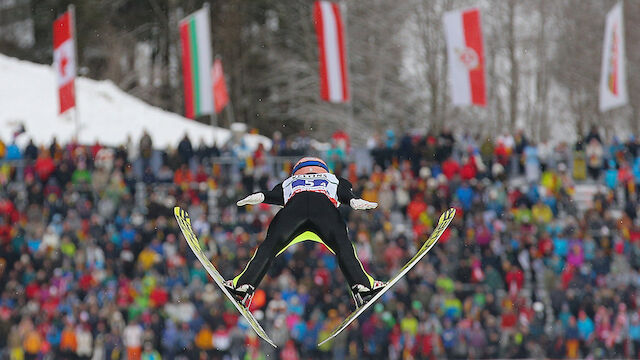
<point>28,95</point>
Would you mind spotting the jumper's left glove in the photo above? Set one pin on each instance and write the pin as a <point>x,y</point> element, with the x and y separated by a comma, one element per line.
<point>359,204</point>
<point>252,199</point>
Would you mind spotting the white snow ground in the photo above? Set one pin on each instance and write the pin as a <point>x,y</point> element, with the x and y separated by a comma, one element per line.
<point>28,95</point>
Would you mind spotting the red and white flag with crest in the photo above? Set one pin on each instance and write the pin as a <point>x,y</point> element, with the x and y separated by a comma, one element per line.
<point>64,59</point>
<point>334,79</point>
<point>463,32</point>
<point>613,79</point>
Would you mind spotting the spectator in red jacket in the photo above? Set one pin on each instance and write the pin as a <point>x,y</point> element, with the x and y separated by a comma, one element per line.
<point>469,169</point>
<point>44,166</point>
<point>450,168</point>
<point>514,277</point>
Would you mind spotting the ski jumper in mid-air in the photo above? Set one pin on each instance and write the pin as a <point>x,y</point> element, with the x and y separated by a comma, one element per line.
<point>310,200</point>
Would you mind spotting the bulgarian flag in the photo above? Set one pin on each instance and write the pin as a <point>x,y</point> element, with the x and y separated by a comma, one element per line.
<point>195,36</point>
<point>64,59</point>
<point>463,31</point>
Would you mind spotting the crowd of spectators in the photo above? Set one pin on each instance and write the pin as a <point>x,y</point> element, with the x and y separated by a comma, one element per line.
<point>92,265</point>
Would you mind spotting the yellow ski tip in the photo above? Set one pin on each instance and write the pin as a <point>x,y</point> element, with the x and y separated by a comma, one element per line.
<point>448,214</point>
<point>181,214</point>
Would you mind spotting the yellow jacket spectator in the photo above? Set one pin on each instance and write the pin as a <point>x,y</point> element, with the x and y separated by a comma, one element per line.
<point>204,338</point>
<point>147,258</point>
<point>67,247</point>
<point>409,324</point>
<point>551,181</point>
<point>370,193</point>
<point>542,213</point>
<point>32,342</point>
<point>13,342</point>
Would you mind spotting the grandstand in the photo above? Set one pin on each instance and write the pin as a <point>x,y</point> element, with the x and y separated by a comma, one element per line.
<point>92,261</point>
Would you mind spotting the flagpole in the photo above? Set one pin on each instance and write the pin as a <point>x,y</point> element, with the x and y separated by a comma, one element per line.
<point>229,105</point>
<point>350,121</point>
<point>230,113</point>
<point>213,117</point>
<point>72,13</point>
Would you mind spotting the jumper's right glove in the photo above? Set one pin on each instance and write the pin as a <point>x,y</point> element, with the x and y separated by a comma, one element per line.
<point>252,199</point>
<point>359,204</point>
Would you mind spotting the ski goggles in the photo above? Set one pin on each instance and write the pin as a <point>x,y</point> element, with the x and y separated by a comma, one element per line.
<point>310,163</point>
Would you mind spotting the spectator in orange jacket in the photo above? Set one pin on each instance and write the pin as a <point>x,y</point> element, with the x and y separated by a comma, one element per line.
<point>183,176</point>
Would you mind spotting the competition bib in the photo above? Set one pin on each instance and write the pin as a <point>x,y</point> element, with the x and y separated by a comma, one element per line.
<point>326,184</point>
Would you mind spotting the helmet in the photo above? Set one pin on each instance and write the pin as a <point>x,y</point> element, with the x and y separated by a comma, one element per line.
<point>310,165</point>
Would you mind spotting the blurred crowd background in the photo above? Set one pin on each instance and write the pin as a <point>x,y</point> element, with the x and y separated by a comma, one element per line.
<point>542,259</point>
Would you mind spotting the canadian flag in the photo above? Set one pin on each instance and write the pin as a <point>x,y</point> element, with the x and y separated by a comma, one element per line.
<point>334,80</point>
<point>64,59</point>
<point>465,53</point>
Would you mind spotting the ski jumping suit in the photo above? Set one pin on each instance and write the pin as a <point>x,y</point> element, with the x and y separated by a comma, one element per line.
<point>310,213</point>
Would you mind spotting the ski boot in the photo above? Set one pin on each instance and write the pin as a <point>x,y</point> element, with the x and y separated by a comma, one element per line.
<point>243,293</point>
<point>362,294</point>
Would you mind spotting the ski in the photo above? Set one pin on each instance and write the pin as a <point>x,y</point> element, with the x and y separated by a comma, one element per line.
<point>443,223</point>
<point>185,226</point>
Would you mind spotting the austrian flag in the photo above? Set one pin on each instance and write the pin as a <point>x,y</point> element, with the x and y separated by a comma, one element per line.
<point>463,32</point>
<point>334,81</point>
<point>64,59</point>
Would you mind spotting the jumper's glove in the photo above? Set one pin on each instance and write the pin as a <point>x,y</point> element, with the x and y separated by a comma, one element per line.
<point>252,199</point>
<point>359,204</point>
